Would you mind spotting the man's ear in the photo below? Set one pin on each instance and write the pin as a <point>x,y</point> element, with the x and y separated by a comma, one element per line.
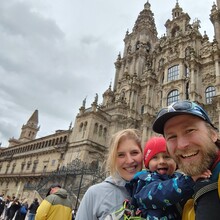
<point>214,135</point>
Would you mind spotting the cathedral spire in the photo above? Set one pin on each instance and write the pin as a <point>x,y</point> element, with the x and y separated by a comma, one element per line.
<point>177,11</point>
<point>145,20</point>
<point>30,129</point>
<point>34,118</point>
<point>147,5</point>
<point>214,17</point>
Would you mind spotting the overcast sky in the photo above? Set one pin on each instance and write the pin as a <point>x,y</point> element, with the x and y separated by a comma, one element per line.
<point>54,53</point>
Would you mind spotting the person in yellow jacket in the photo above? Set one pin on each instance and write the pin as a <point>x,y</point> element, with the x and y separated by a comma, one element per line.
<point>55,206</point>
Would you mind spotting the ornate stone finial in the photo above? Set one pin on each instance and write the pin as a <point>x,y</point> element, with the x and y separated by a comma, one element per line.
<point>119,56</point>
<point>110,85</point>
<point>96,98</point>
<point>215,45</point>
<point>70,126</point>
<point>214,7</point>
<point>205,36</point>
<point>177,4</point>
<point>147,5</point>
<point>84,102</point>
<point>196,24</point>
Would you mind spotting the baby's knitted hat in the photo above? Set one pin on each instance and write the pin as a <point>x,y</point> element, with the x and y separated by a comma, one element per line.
<point>153,146</point>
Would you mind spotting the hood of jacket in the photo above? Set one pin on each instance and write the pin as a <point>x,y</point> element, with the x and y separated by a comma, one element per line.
<point>116,180</point>
<point>61,193</point>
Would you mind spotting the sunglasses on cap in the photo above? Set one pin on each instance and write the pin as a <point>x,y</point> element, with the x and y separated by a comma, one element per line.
<point>179,108</point>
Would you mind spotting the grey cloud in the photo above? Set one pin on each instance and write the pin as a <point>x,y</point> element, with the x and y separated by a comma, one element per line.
<point>55,53</point>
<point>18,18</point>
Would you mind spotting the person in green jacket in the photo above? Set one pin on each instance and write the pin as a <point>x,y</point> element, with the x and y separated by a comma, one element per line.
<point>55,206</point>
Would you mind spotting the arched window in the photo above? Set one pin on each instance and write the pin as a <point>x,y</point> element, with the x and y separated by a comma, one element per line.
<point>104,132</point>
<point>209,94</point>
<point>142,109</point>
<point>173,96</point>
<point>65,137</point>
<point>85,125</point>
<point>173,73</point>
<point>100,130</point>
<point>80,127</point>
<point>95,128</point>
<point>53,141</point>
<point>57,141</point>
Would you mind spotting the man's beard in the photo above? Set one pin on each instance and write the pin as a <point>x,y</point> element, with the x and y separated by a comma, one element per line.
<point>199,166</point>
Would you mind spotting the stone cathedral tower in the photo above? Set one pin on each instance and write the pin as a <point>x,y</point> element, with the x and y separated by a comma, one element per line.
<point>28,130</point>
<point>150,73</point>
<point>153,72</point>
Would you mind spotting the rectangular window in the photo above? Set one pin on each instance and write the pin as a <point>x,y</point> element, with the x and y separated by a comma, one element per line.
<point>173,73</point>
<point>22,166</point>
<point>34,167</point>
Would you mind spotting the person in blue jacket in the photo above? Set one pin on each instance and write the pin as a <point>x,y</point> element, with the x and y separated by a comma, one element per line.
<point>159,191</point>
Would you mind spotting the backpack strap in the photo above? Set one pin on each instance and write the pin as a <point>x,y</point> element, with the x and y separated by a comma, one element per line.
<point>212,186</point>
<point>205,189</point>
<point>188,210</point>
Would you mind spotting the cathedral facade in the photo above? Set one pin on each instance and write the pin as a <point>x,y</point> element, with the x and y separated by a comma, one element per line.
<point>151,73</point>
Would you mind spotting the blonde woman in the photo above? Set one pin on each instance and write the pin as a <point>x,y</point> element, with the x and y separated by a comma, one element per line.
<point>125,158</point>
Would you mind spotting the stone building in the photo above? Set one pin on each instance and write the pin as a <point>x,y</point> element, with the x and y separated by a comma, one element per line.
<point>150,73</point>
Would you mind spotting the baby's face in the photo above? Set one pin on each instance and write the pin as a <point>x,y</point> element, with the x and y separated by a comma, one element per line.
<point>162,163</point>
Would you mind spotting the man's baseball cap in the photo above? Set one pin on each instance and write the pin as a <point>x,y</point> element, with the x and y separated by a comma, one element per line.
<point>53,186</point>
<point>179,108</point>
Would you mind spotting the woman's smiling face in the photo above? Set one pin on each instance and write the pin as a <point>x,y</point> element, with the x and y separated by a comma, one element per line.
<point>129,158</point>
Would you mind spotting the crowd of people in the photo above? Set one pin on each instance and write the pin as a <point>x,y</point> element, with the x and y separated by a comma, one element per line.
<point>175,176</point>
<point>55,206</point>
<point>11,208</point>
